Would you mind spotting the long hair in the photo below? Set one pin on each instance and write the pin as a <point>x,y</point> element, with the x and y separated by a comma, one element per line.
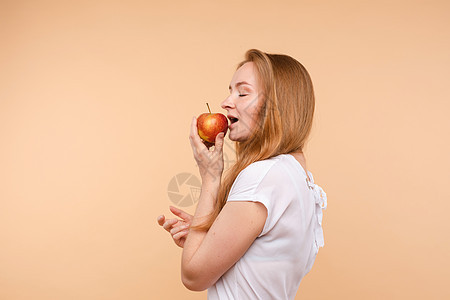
<point>283,123</point>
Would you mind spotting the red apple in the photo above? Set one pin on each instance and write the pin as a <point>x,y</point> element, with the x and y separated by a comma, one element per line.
<point>209,125</point>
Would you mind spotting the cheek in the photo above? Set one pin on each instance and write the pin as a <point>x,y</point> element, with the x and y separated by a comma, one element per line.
<point>252,118</point>
<point>253,106</point>
<point>258,114</point>
<point>256,109</point>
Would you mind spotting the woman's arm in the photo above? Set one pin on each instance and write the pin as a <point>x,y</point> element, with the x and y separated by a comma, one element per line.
<point>204,207</point>
<point>208,255</point>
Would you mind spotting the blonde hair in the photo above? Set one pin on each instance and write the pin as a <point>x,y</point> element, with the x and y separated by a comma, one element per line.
<point>284,121</point>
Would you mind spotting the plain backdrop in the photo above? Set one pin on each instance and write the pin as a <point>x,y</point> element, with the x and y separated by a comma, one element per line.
<point>96,99</point>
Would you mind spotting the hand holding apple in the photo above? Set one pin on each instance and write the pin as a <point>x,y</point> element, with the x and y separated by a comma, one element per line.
<point>209,125</point>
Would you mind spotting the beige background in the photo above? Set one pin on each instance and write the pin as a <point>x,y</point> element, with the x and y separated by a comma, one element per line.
<point>96,98</point>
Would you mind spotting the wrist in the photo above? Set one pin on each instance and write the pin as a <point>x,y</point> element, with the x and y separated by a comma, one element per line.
<point>210,186</point>
<point>211,178</point>
<point>210,175</point>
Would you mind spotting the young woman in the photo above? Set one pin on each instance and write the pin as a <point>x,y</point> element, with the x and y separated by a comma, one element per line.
<point>255,233</point>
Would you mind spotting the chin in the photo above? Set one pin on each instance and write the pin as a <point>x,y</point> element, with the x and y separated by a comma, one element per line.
<point>232,138</point>
<point>237,137</point>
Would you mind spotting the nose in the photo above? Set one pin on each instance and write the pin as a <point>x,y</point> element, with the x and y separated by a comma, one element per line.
<point>227,103</point>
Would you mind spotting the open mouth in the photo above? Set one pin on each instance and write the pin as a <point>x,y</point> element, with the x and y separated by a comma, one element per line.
<point>233,120</point>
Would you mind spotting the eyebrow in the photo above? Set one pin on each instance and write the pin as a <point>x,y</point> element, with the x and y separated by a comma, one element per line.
<point>239,84</point>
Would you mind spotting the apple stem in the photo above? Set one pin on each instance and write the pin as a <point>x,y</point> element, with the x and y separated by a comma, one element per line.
<point>208,107</point>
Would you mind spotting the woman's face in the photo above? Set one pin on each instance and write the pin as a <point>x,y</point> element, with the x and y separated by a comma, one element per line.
<point>243,103</point>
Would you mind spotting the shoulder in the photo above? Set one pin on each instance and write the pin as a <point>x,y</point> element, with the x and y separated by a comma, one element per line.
<point>268,182</point>
<point>268,172</point>
<point>260,169</point>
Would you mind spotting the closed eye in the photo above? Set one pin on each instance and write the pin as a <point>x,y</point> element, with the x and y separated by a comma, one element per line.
<point>242,95</point>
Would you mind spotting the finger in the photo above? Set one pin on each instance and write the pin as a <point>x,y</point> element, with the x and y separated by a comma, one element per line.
<point>180,234</point>
<point>180,213</point>
<point>194,137</point>
<point>219,141</point>
<point>169,224</point>
<point>177,229</point>
<point>161,219</point>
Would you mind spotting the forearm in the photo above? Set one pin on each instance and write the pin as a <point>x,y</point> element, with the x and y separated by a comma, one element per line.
<point>195,238</point>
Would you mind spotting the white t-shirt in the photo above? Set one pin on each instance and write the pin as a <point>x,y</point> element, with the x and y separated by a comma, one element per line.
<point>284,252</point>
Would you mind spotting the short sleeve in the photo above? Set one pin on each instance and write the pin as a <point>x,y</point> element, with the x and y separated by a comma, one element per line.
<point>259,183</point>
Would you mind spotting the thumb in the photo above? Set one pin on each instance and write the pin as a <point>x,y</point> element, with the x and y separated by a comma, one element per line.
<point>219,141</point>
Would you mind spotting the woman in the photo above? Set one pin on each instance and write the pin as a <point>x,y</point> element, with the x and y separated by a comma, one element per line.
<point>256,233</point>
